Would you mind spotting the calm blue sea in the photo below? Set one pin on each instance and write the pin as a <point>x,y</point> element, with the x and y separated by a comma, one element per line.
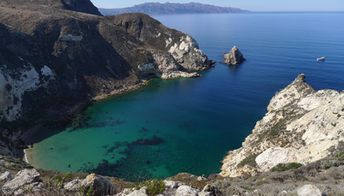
<point>188,125</point>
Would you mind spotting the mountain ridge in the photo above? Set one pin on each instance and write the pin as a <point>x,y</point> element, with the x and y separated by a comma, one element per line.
<point>72,5</point>
<point>153,8</point>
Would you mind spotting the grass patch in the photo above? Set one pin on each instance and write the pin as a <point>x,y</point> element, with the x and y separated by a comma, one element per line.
<point>154,187</point>
<point>190,180</point>
<point>340,156</point>
<point>285,167</point>
<point>250,160</point>
<point>58,180</point>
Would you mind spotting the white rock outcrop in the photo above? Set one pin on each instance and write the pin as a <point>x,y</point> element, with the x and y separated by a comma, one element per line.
<point>6,176</point>
<point>187,53</point>
<point>73,185</point>
<point>165,67</point>
<point>24,180</point>
<point>186,191</point>
<point>308,190</point>
<point>301,126</point>
<point>100,184</point>
<point>14,84</point>
<point>179,74</point>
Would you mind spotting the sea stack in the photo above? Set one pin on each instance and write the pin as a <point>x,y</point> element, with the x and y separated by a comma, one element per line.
<point>234,57</point>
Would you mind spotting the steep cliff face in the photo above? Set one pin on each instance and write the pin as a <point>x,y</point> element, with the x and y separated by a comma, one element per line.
<point>54,61</point>
<point>301,126</point>
<point>183,52</point>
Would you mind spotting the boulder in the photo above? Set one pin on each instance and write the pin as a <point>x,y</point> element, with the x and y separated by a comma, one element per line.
<point>99,185</point>
<point>171,184</point>
<point>133,192</point>
<point>73,185</point>
<point>210,190</point>
<point>308,190</point>
<point>6,176</point>
<point>234,57</point>
<point>185,190</point>
<point>27,179</point>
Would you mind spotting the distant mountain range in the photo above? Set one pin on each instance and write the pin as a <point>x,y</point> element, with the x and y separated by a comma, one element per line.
<point>171,8</point>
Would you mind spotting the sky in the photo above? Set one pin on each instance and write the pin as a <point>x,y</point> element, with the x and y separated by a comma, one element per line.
<point>253,5</point>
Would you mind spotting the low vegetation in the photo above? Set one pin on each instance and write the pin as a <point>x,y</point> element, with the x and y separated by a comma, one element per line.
<point>153,187</point>
<point>250,160</point>
<point>340,156</point>
<point>285,167</point>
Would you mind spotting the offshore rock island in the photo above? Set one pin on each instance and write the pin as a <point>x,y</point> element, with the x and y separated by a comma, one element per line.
<point>57,56</point>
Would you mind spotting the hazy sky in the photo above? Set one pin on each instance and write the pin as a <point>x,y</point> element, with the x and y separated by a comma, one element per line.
<point>254,5</point>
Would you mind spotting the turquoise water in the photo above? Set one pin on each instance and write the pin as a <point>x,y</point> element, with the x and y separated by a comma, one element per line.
<point>188,125</point>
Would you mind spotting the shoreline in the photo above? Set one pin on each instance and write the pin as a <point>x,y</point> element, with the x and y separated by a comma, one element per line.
<point>121,91</point>
<point>26,155</point>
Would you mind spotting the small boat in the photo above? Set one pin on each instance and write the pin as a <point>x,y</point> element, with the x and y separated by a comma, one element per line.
<point>321,59</point>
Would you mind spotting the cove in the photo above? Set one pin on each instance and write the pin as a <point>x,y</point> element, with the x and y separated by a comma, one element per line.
<point>188,125</point>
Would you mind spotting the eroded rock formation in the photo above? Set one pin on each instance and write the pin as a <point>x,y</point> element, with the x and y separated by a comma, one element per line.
<point>301,126</point>
<point>234,57</point>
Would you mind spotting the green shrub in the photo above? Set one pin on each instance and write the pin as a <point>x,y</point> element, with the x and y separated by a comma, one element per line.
<point>90,191</point>
<point>285,167</point>
<point>250,160</point>
<point>340,156</point>
<point>154,187</point>
<point>59,179</point>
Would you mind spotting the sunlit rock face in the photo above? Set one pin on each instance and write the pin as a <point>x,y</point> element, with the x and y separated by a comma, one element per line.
<point>15,83</point>
<point>301,126</point>
<point>183,53</point>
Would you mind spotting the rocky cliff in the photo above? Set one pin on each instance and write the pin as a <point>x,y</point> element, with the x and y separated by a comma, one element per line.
<point>57,56</point>
<point>302,126</point>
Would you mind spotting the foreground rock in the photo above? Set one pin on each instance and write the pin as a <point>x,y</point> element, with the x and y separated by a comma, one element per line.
<point>308,190</point>
<point>234,57</point>
<point>325,176</point>
<point>97,185</point>
<point>301,126</point>
<point>23,181</point>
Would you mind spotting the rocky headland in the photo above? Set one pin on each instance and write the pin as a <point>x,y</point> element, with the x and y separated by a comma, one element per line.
<point>57,56</point>
<point>301,126</point>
